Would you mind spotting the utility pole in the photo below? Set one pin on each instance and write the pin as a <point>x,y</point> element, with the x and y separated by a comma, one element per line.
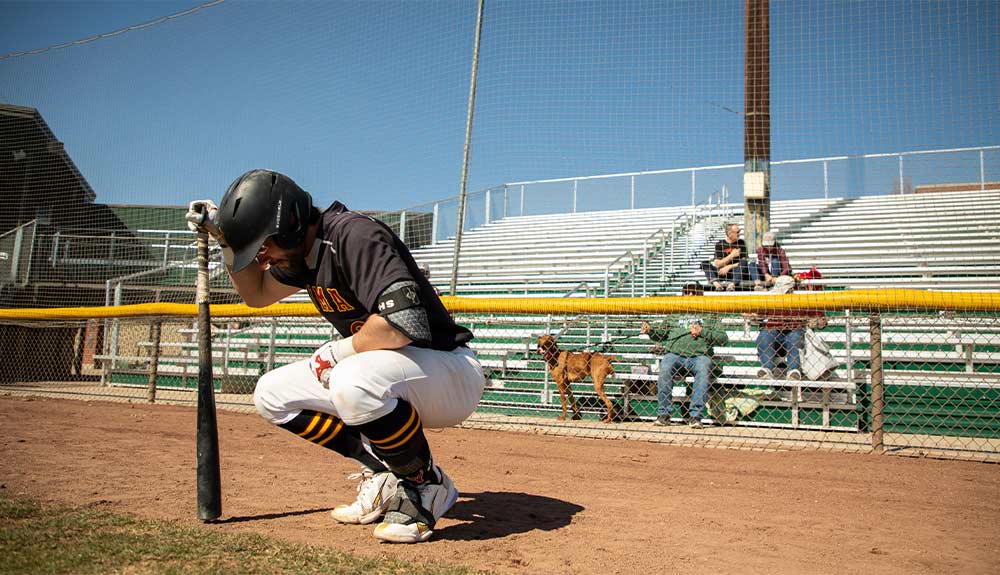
<point>756,123</point>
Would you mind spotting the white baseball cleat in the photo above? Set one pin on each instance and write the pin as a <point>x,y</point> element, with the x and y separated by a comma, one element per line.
<point>375,492</point>
<point>416,508</point>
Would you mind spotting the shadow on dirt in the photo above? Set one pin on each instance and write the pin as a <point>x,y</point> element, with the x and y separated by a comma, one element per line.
<point>266,516</point>
<point>490,515</point>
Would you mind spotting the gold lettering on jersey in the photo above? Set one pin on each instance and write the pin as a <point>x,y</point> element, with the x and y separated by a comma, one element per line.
<point>319,299</point>
<point>356,326</point>
<point>339,300</point>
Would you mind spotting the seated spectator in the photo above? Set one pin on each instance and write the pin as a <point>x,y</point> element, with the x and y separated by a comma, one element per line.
<point>771,262</point>
<point>689,345</point>
<point>805,279</point>
<point>693,289</point>
<point>730,266</point>
<point>781,335</point>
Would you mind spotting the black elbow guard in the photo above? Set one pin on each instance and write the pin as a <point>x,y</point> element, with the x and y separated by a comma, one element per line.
<point>400,305</point>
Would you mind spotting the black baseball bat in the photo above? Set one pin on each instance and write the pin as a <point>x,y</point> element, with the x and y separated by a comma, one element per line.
<point>209,478</point>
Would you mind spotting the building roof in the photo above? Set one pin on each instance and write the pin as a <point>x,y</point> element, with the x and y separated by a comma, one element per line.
<point>40,181</point>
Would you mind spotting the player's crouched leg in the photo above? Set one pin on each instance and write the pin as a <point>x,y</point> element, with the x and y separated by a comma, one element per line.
<point>392,396</point>
<point>282,393</point>
<point>292,398</point>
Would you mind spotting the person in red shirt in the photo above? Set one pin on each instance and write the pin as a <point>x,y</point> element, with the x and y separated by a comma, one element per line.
<point>771,262</point>
<point>781,333</point>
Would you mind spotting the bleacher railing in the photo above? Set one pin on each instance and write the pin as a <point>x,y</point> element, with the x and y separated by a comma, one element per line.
<point>679,230</point>
<point>912,372</point>
<point>808,178</point>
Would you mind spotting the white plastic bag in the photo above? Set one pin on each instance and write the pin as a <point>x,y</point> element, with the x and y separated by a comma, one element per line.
<point>817,360</point>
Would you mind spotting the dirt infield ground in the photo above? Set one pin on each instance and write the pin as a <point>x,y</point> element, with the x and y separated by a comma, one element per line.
<point>530,503</point>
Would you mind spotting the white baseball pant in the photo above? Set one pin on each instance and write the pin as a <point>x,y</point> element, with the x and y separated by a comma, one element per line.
<point>443,386</point>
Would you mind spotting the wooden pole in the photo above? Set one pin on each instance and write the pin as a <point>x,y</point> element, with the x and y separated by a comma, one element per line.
<point>154,359</point>
<point>877,385</point>
<point>756,122</point>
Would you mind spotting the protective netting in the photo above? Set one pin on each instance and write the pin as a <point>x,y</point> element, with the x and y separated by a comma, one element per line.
<point>913,380</point>
<point>607,159</point>
<point>580,107</point>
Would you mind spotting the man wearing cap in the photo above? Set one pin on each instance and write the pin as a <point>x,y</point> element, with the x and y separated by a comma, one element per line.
<point>771,262</point>
<point>689,346</point>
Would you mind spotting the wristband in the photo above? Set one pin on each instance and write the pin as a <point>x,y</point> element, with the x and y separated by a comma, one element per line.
<point>343,348</point>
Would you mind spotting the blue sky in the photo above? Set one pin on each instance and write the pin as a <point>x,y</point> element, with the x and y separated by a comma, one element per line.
<point>366,101</point>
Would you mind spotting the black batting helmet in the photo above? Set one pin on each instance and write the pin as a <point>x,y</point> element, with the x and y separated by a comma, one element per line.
<point>262,204</point>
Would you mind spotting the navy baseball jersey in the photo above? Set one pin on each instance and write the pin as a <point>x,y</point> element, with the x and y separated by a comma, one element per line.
<point>359,257</point>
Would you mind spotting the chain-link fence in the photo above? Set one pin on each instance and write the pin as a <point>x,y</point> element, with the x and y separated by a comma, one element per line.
<point>809,371</point>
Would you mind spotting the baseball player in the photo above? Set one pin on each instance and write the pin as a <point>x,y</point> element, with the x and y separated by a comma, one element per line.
<point>402,363</point>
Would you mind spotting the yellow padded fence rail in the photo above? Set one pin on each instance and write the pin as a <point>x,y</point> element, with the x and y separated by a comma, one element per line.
<point>872,300</point>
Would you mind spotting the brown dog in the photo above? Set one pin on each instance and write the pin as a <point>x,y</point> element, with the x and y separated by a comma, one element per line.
<point>567,367</point>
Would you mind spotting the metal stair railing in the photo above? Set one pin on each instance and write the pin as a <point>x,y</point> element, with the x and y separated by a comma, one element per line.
<point>16,254</point>
<point>713,206</point>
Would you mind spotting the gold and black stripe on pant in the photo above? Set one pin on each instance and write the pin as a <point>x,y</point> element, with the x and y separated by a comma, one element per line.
<point>398,439</point>
<point>331,432</point>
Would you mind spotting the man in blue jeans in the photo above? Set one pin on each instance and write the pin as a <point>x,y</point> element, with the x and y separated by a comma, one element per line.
<point>730,266</point>
<point>689,345</point>
<point>781,333</point>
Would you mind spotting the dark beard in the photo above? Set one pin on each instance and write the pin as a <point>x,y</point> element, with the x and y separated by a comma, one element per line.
<point>297,265</point>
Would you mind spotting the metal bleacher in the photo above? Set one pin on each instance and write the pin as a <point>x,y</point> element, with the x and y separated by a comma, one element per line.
<point>944,241</point>
<point>619,252</point>
<point>923,242</point>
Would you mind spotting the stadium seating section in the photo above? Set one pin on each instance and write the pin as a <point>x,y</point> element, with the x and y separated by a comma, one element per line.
<point>943,241</point>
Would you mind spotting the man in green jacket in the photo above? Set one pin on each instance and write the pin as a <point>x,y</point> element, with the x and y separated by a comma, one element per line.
<point>689,345</point>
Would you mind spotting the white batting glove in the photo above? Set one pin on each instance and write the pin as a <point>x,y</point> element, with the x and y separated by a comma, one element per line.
<point>323,359</point>
<point>201,217</point>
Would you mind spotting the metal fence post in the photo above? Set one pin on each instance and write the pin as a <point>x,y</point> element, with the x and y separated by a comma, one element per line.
<point>694,203</point>
<point>848,343</point>
<point>826,181</point>
<point>470,115</point>
<point>645,268</point>
<point>225,352</point>
<point>673,245</point>
<point>631,202</point>
<point>55,249</point>
<point>663,255</point>
<point>166,249</point>
<point>16,255</point>
<point>489,207</point>
<point>545,376</point>
<point>982,172</point>
<point>270,344</point>
<point>154,360</point>
<point>902,190</point>
<point>434,224</point>
<point>877,386</point>
<point>115,326</point>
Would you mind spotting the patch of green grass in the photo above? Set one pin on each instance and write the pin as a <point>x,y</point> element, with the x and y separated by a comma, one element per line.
<point>47,539</point>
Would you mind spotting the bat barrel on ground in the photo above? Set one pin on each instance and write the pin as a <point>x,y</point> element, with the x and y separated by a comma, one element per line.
<point>209,478</point>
